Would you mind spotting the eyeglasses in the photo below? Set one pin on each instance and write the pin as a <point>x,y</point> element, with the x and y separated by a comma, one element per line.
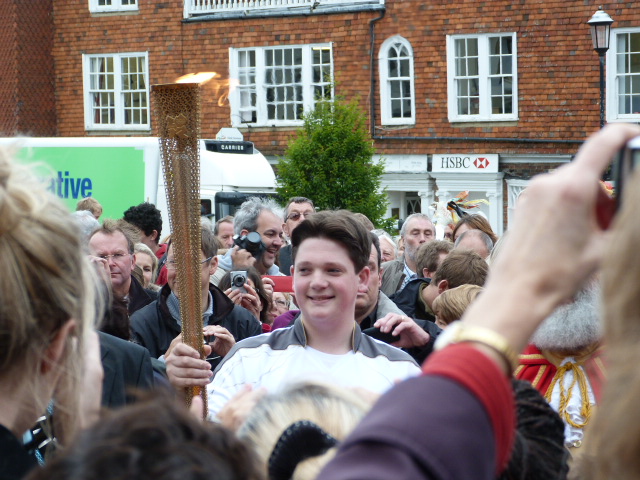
<point>173,265</point>
<point>116,256</point>
<point>296,215</point>
<point>281,303</point>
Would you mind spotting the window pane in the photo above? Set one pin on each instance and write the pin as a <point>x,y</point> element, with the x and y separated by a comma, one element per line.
<point>621,63</point>
<point>494,46</point>
<point>634,63</point>
<point>634,40</point>
<point>404,68</point>
<point>461,67</point>
<point>474,87</point>
<point>406,108</point>
<point>406,89</point>
<point>463,106</point>
<point>393,68</point>
<point>463,88</point>
<point>461,47</point>
<point>508,85</point>
<point>472,47</point>
<point>508,105</point>
<point>507,46</point>
<point>507,64</point>
<point>494,65</point>
<point>496,105</point>
<point>472,67</point>
<point>496,86</point>
<point>395,89</point>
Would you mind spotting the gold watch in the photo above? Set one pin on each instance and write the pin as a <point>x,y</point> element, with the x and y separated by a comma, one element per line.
<point>458,332</point>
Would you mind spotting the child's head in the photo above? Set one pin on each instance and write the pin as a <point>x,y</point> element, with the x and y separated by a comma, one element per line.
<point>451,304</point>
<point>90,204</point>
<point>340,226</point>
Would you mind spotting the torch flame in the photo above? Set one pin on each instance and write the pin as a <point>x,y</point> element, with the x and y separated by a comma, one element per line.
<point>200,78</point>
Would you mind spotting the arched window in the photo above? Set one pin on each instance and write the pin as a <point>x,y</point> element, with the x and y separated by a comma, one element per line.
<point>397,93</point>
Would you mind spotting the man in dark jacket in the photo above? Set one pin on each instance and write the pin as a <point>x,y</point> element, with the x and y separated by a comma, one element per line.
<point>158,324</point>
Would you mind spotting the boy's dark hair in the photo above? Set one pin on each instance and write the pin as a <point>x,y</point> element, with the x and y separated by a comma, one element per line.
<point>155,439</point>
<point>340,226</point>
<point>428,255</point>
<point>461,267</point>
<point>146,217</point>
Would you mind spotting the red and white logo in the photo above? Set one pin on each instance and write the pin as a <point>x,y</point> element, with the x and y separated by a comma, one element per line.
<point>481,162</point>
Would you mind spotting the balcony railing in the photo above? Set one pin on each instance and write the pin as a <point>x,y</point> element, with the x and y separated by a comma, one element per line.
<point>259,8</point>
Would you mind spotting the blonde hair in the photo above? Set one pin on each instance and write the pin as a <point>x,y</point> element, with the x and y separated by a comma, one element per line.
<point>45,281</point>
<point>336,411</point>
<point>90,204</point>
<point>143,248</point>
<point>451,304</point>
<point>614,442</point>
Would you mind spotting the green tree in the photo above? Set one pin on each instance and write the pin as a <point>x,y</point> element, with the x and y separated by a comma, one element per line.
<point>330,161</point>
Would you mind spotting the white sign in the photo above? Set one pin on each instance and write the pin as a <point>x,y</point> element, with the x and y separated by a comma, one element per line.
<point>465,162</point>
<point>230,135</point>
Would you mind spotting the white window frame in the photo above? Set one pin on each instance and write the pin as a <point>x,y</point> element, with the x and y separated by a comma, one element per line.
<point>612,86</point>
<point>259,88</point>
<point>116,6</point>
<point>484,89</point>
<point>386,109</point>
<point>119,102</point>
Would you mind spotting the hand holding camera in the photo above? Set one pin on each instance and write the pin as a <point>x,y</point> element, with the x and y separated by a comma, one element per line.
<point>247,249</point>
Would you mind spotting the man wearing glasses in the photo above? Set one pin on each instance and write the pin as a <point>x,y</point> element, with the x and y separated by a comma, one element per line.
<point>295,212</point>
<point>113,245</point>
<point>158,325</point>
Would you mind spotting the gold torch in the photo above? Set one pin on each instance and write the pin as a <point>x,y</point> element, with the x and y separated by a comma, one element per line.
<point>177,108</point>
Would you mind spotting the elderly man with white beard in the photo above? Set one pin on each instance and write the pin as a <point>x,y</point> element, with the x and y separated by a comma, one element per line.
<point>563,361</point>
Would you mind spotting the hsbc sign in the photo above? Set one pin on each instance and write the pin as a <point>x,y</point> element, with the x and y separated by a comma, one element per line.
<point>482,163</point>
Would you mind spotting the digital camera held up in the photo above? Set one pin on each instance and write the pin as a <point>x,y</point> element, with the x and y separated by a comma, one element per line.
<point>251,242</point>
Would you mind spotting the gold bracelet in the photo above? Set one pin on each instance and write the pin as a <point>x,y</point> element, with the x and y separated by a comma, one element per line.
<point>459,332</point>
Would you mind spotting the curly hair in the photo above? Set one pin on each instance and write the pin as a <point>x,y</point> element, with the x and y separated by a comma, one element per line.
<point>146,217</point>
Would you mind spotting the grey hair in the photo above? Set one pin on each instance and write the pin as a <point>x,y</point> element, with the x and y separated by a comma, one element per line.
<point>486,239</point>
<point>87,224</point>
<point>246,217</point>
<point>403,230</point>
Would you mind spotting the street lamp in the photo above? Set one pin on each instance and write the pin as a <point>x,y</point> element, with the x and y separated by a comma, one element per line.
<point>600,24</point>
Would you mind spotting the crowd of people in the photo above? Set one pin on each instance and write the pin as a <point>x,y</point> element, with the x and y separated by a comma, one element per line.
<point>342,352</point>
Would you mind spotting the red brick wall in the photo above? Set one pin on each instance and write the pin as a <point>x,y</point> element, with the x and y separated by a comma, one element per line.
<point>26,78</point>
<point>9,68</point>
<point>557,67</point>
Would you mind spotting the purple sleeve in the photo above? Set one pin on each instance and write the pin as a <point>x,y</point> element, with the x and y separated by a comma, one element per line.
<point>447,436</point>
<point>284,320</point>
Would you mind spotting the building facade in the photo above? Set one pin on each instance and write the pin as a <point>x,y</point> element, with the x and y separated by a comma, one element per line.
<point>467,95</point>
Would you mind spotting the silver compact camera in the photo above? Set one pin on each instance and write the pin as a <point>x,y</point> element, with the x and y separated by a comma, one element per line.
<point>238,279</point>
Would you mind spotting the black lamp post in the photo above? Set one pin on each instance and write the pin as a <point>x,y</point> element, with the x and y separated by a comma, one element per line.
<point>600,24</point>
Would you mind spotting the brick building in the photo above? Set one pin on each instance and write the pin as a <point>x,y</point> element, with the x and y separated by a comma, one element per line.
<point>467,95</point>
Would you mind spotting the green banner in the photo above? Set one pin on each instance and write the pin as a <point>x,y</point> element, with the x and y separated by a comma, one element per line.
<point>114,176</point>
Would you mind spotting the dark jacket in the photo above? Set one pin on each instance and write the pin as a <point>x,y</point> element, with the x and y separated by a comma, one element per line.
<point>139,296</point>
<point>15,462</point>
<point>408,299</point>
<point>285,259</point>
<point>153,326</point>
<point>126,366</point>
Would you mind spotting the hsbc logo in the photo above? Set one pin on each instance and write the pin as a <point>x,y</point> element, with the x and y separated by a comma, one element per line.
<point>481,162</point>
<point>469,163</point>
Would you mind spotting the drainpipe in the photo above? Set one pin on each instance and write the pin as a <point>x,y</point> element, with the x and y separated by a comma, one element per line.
<point>372,91</point>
